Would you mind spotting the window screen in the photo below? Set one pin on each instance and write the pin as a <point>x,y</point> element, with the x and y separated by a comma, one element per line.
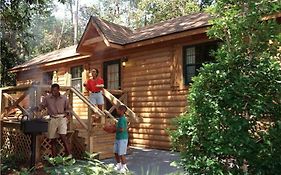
<point>76,77</point>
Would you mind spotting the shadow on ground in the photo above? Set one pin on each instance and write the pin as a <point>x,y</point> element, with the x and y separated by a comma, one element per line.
<point>150,162</point>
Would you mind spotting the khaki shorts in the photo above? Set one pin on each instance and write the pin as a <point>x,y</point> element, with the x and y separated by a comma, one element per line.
<point>57,126</point>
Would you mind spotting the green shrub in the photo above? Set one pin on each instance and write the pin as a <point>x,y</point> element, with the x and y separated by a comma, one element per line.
<point>13,164</point>
<point>89,166</point>
<point>233,125</point>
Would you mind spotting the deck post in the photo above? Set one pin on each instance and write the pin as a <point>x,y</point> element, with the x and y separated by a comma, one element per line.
<point>38,93</point>
<point>38,148</point>
<point>70,99</point>
<point>32,94</point>
<point>2,102</point>
<point>89,131</point>
<point>91,143</point>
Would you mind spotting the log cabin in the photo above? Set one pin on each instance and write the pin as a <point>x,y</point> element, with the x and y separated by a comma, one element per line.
<point>150,67</point>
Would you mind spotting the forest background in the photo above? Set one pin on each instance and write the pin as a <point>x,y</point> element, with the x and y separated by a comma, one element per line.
<point>33,27</point>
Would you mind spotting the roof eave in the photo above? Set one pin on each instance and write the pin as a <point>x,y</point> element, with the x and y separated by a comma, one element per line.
<point>167,37</point>
<point>83,36</point>
<point>41,65</point>
<point>105,40</point>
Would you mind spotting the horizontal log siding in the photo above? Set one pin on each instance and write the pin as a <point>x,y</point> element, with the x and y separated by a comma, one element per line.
<point>27,77</point>
<point>101,142</point>
<point>79,107</point>
<point>147,80</point>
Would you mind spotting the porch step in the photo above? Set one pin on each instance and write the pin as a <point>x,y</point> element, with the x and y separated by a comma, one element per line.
<point>98,141</point>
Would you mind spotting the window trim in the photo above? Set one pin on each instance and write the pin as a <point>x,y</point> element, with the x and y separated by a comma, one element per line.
<point>105,65</point>
<point>50,72</point>
<point>80,78</point>
<point>197,57</point>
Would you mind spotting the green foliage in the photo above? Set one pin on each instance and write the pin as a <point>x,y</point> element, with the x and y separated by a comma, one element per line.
<point>206,3</point>
<point>49,34</point>
<point>233,125</point>
<point>151,11</point>
<point>59,160</point>
<point>152,171</point>
<point>85,12</point>
<point>118,12</point>
<point>13,164</point>
<point>15,19</point>
<point>89,166</point>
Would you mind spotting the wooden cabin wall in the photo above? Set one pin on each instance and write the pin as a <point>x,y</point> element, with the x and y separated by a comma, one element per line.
<point>62,77</point>
<point>26,78</point>
<point>148,80</point>
<point>153,81</point>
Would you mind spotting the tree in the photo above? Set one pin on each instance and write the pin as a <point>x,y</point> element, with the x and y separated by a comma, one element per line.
<point>49,34</point>
<point>233,125</point>
<point>151,11</point>
<point>15,19</point>
<point>115,11</point>
<point>73,6</point>
<point>206,3</point>
<point>85,13</point>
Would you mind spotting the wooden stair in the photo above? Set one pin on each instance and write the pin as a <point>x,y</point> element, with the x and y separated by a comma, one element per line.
<point>92,137</point>
<point>100,141</point>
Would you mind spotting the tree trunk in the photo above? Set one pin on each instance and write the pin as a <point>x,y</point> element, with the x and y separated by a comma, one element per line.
<point>72,18</point>
<point>75,22</point>
<point>61,33</point>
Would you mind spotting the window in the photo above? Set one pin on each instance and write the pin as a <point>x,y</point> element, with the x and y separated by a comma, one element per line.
<point>112,74</point>
<point>194,57</point>
<point>48,78</point>
<point>76,77</point>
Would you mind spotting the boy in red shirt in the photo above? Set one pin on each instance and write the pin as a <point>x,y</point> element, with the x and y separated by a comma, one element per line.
<point>94,86</point>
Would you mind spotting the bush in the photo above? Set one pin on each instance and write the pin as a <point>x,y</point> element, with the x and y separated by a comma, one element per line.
<point>89,166</point>
<point>233,125</point>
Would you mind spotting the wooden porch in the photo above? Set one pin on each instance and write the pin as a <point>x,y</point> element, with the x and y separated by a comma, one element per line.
<point>85,134</point>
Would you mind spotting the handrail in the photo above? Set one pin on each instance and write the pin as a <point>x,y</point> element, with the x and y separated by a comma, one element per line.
<point>93,107</point>
<point>15,103</point>
<point>79,120</point>
<point>114,106</point>
<point>102,113</point>
<point>9,97</point>
<point>111,116</point>
<point>85,100</point>
<point>115,101</point>
<point>16,88</point>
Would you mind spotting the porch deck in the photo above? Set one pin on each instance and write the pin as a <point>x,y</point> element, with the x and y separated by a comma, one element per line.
<point>83,135</point>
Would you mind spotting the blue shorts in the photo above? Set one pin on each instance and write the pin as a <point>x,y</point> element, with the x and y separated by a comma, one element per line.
<point>96,98</point>
<point>120,146</point>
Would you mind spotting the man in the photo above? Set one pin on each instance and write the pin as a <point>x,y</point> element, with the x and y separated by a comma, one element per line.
<point>58,108</point>
<point>95,86</point>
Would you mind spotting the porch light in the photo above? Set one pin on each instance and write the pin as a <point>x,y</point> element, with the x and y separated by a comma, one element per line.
<point>124,60</point>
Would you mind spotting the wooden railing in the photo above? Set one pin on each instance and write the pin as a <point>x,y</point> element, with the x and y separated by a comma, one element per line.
<point>116,102</point>
<point>34,92</point>
<point>12,100</point>
<point>6,99</point>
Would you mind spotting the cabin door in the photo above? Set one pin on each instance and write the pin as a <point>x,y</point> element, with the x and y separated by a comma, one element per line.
<point>112,79</point>
<point>112,75</point>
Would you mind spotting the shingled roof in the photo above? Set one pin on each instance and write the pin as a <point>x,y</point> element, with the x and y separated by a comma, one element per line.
<point>50,57</point>
<point>121,35</point>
